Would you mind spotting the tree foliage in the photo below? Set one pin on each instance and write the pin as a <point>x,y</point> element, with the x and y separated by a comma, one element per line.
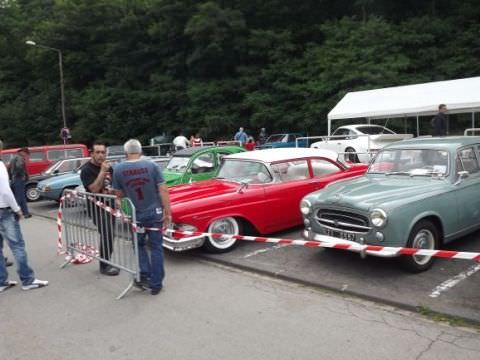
<point>138,68</point>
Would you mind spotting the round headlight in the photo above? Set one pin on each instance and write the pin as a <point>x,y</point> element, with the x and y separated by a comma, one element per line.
<point>305,207</point>
<point>378,217</point>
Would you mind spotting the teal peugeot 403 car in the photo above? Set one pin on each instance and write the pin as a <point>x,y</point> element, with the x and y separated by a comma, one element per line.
<point>196,163</point>
<point>419,193</point>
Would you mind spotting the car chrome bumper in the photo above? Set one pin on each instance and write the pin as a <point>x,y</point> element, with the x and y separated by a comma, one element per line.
<point>183,244</point>
<point>385,253</point>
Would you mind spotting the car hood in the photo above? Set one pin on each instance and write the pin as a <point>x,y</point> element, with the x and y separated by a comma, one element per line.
<point>201,190</point>
<point>369,192</point>
<point>172,177</point>
<point>59,180</point>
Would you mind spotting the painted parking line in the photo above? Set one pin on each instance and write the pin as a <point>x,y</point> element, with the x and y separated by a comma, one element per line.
<point>448,284</point>
<point>265,250</point>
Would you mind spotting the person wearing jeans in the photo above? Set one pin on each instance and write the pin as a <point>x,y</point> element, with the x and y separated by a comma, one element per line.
<point>151,267</point>
<point>142,182</point>
<point>10,214</point>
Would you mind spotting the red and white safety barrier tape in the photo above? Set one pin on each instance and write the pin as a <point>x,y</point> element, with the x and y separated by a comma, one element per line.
<point>336,244</point>
<point>331,243</point>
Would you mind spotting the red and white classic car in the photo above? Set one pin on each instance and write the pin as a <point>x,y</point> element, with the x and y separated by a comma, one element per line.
<point>254,192</point>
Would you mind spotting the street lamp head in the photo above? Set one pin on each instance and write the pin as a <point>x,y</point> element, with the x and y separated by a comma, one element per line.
<point>30,42</point>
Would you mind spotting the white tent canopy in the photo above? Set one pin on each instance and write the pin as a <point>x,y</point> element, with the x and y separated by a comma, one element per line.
<point>461,95</point>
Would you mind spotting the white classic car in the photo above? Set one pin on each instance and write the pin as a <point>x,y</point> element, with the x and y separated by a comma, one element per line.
<point>359,142</point>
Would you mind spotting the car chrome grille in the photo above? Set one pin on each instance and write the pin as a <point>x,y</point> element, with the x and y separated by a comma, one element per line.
<point>340,220</point>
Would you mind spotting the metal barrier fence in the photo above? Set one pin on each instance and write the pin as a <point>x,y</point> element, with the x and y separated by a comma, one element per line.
<point>91,228</point>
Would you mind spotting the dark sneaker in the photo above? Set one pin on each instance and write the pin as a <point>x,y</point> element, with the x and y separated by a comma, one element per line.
<point>36,284</point>
<point>155,291</point>
<point>28,216</point>
<point>7,285</point>
<point>143,284</point>
<point>8,263</point>
<point>109,271</point>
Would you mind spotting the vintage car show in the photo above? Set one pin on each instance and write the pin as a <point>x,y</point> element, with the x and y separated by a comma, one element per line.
<point>268,180</point>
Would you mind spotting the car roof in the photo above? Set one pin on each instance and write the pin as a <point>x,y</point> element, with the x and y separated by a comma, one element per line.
<point>273,155</point>
<point>445,142</point>
<point>359,125</point>
<point>193,150</point>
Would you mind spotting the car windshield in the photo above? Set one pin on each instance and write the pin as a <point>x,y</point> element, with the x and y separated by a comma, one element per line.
<point>178,163</point>
<point>411,162</point>
<point>244,171</point>
<point>374,130</point>
<point>276,138</point>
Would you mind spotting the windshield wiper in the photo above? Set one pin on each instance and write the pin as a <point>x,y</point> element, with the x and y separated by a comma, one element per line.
<point>398,173</point>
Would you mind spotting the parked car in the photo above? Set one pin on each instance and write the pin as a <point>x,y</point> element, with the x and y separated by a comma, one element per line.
<point>61,167</point>
<point>358,142</point>
<point>41,157</point>
<point>196,163</point>
<point>419,193</point>
<point>255,191</point>
<point>52,189</point>
<point>283,141</point>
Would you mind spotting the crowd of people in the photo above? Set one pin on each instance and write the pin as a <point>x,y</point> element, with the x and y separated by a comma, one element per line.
<point>241,137</point>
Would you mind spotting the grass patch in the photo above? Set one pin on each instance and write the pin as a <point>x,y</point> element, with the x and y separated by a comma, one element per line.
<point>449,319</point>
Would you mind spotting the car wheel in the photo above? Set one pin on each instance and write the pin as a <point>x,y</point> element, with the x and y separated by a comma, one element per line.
<point>351,156</point>
<point>32,193</point>
<point>228,225</point>
<point>424,235</point>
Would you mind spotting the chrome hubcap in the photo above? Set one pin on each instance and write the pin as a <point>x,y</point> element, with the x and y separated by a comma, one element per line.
<point>223,226</point>
<point>424,239</point>
<point>32,194</point>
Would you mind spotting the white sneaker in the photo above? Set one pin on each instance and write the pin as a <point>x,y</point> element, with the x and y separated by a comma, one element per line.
<point>7,285</point>
<point>35,284</point>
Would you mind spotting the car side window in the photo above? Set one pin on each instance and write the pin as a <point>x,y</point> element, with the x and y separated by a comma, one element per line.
<point>323,167</point>
<point>55,155</point>
<point>74,153</point>
<point>468,160</point>
<point>202,164</point>
<point>341,132</point>
<point>36,156</point>
<point>291,170</point>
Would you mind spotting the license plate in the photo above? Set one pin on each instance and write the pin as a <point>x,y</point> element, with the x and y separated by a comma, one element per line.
<point>340,235</point>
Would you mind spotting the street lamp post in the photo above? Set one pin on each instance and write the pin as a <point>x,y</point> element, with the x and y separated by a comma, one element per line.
<point>62,92</point>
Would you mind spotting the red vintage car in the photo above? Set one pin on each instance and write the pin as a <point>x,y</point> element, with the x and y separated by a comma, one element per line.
<point>254,192</point>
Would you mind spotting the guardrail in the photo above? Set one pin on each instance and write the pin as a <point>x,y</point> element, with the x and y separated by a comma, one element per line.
<point>471,130</point>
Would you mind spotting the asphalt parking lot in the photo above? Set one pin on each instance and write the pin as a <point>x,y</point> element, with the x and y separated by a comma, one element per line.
<point>450,287</point>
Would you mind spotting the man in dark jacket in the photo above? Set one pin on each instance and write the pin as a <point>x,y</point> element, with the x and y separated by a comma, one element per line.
<point>439,122</point>
<point>18,171</point>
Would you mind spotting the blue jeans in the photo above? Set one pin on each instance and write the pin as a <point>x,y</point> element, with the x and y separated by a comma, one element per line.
<point>151,266</point>
<point>10,231</point>
<point>18,187</point>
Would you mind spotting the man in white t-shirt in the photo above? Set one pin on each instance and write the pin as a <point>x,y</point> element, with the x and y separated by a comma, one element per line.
<point>10,214</point>
<point>180,142</point>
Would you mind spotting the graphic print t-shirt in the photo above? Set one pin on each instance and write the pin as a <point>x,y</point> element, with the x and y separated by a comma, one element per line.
<point>139,181</point>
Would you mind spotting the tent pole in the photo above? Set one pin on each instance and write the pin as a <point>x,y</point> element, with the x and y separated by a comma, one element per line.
<point>473,119</point>
<point>329,127</point>
<point>418,127</point>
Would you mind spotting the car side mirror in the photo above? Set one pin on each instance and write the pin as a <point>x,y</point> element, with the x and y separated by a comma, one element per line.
<point>461,175</point>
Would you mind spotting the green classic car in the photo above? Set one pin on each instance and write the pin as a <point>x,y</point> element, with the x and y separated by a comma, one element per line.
<point>419,193</point>
<point>196,163</point>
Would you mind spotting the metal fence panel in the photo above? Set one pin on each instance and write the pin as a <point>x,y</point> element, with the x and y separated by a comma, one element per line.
<point>93,228</point>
